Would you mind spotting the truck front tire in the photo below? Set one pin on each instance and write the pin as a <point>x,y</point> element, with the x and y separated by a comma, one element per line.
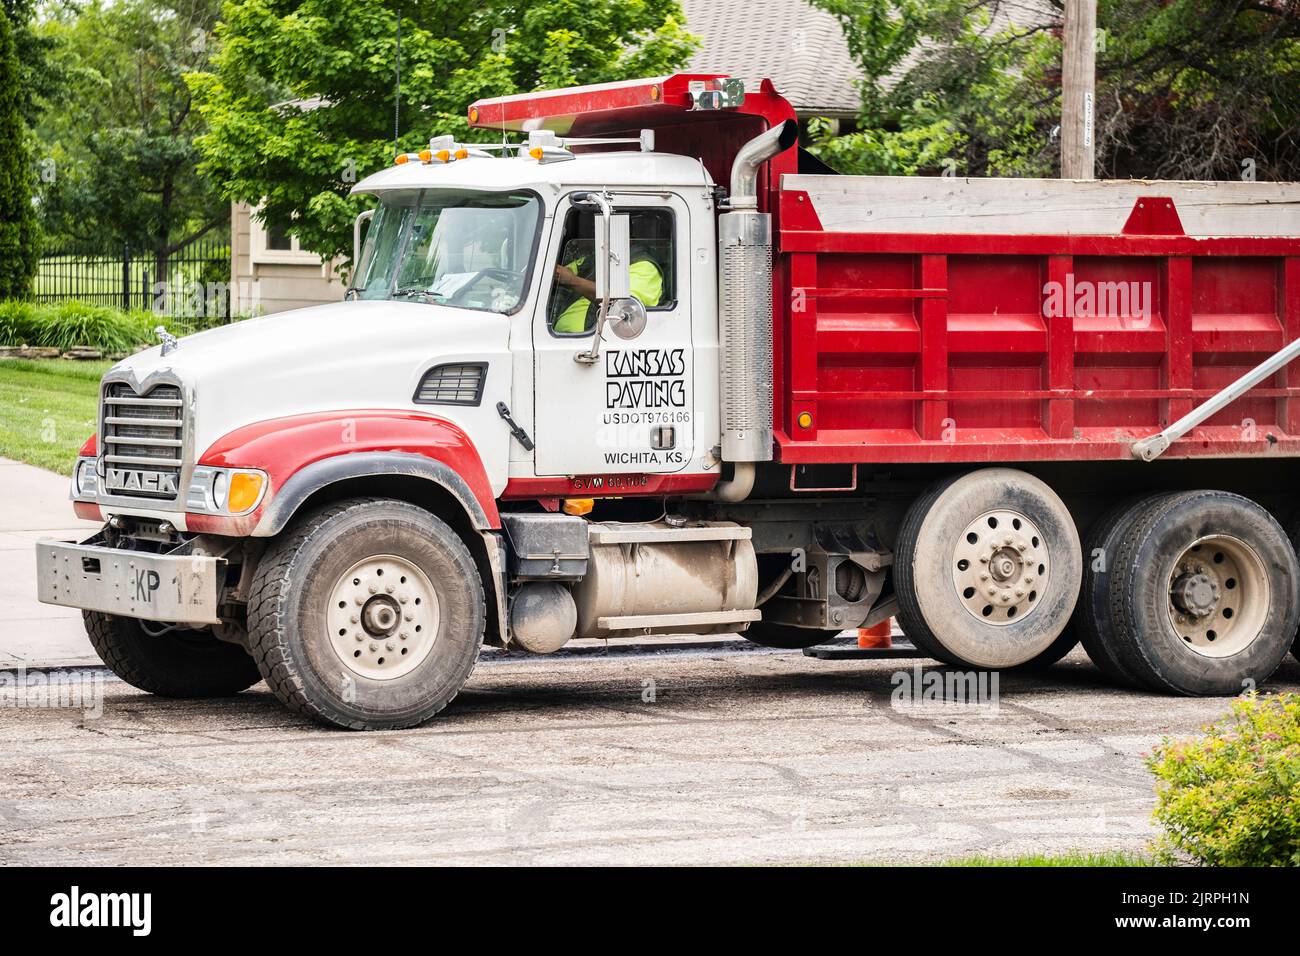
<point>367,614</point>
<point>987,569</point>
<point>180,663</point>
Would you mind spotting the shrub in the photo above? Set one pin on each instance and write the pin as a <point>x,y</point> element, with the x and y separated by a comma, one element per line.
<point>67,325</point>
<point>1232,796</point>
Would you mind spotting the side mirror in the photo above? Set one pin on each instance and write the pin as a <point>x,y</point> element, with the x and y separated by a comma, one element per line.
<point>614,257</point>
<point>613,266</point>
<point>356,241</point>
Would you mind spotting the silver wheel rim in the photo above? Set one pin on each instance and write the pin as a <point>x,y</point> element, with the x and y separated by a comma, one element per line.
<point>383,617</point>
<point>1000,567</point>
<point>1218,596</point>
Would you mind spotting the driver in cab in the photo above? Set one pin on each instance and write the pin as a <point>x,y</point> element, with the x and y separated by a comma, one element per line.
<point>576,279</point>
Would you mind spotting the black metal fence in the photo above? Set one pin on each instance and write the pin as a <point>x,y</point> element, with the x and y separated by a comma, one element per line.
<point>192,287</point>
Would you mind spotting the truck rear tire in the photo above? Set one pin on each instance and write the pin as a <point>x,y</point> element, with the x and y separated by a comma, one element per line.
<point>1067,641</point>
<point>367,614</point>
<point>1203,594</point>
<point>987,569</point>
<point>1293,533</point>
<point>181,663</point>
<point>1092,615</point>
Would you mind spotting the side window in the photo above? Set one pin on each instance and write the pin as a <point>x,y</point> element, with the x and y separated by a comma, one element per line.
<point>572,307</point>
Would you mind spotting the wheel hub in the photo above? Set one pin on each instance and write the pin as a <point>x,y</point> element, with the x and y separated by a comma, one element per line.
<point>1195,594</point>
<point>383,617</point>
<point>1218,596</point>
<point>1000,567</point>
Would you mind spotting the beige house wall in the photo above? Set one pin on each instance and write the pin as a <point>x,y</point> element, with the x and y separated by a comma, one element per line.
<point>265,281</point>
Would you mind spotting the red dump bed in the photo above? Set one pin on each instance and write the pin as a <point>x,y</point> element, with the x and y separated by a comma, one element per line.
<point>1020,320</point>
<point>942,319</point>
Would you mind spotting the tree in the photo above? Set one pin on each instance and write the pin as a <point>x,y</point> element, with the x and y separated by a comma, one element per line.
<point>1185,88</point>
<point>39,75</point>
<point>18,236</point>
<point>300,103</point>
<point>119,149</point>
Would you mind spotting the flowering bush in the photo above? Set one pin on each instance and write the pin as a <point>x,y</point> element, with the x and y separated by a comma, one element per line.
<point>1232,796</point>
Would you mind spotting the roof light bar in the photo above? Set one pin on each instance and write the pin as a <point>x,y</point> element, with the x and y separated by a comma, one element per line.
<point>543,145</point>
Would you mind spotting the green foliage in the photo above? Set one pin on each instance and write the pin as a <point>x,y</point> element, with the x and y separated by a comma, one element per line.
<point>117,156</point>
<point>299,103</point>
<point>19,240</point>
<point>1185,88</point>
<point>1067,858</point>
<point>1232,797</point>
<point>71,324</point>
<point>39,74</point>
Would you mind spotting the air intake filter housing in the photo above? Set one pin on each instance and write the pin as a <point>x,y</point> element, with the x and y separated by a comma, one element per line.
<point>745,331</point>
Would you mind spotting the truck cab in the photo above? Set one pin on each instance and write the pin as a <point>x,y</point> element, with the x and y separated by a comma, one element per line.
<point>628,371</point>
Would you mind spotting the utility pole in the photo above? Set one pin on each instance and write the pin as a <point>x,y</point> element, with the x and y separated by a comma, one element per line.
<point>1078,80</point>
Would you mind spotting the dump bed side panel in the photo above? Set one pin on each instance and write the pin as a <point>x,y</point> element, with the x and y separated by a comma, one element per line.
<point>937,320</point>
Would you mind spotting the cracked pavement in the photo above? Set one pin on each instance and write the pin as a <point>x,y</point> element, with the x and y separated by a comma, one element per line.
<point>699,756</point>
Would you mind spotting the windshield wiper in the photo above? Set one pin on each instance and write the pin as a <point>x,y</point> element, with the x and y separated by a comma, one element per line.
<point>418,290</point>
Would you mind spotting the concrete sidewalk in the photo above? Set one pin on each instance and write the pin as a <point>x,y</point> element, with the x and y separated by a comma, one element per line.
<point>33,505</point>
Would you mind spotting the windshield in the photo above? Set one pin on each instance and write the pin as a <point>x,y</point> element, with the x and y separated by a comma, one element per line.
<point>472,250</point>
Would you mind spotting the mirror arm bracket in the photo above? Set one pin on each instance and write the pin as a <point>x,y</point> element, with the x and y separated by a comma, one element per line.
<point>592,355</point>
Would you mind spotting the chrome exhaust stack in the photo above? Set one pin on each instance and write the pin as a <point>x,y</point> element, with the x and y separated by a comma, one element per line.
<point>745,303</point>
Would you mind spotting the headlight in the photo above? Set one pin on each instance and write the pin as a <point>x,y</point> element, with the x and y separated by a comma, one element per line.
<point>219,483</point>
<point>85,480</point>
<point>225,491</point>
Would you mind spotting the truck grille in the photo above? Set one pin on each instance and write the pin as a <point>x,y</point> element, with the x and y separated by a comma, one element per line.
<point>143,441</point>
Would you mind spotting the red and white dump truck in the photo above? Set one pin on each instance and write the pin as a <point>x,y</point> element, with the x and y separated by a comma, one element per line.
<point>643,367</point>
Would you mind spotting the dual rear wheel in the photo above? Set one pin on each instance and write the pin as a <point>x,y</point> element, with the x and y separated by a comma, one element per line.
<point>1189,593</point>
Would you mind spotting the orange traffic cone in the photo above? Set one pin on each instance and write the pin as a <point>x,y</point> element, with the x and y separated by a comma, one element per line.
<point>876,636</point>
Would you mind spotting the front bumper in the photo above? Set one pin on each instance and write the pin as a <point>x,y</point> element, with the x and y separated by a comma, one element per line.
<point>172,588</point>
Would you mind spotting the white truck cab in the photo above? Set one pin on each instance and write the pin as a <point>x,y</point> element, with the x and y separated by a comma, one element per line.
<point>475,242</point>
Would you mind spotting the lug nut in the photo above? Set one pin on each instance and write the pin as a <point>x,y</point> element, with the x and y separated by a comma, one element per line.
<point>374,646</point>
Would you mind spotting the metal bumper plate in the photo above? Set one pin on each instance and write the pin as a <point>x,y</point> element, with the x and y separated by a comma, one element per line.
<point>154,587</point>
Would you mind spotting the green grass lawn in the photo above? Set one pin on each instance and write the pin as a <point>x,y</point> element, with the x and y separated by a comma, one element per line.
<point>47,409</point>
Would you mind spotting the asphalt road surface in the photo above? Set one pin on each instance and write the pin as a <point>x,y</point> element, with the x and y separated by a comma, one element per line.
<point>692,757</point>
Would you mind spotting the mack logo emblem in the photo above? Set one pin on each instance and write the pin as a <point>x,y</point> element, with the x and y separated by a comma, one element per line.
<point>126,479</point>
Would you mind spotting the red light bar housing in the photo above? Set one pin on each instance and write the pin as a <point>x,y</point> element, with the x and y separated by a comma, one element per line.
<point>663,104</point>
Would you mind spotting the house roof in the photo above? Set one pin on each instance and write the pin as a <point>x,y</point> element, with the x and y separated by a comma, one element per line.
<point>800,48</point>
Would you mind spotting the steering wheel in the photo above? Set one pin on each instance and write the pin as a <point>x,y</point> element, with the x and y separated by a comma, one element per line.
<point>501,275</point>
